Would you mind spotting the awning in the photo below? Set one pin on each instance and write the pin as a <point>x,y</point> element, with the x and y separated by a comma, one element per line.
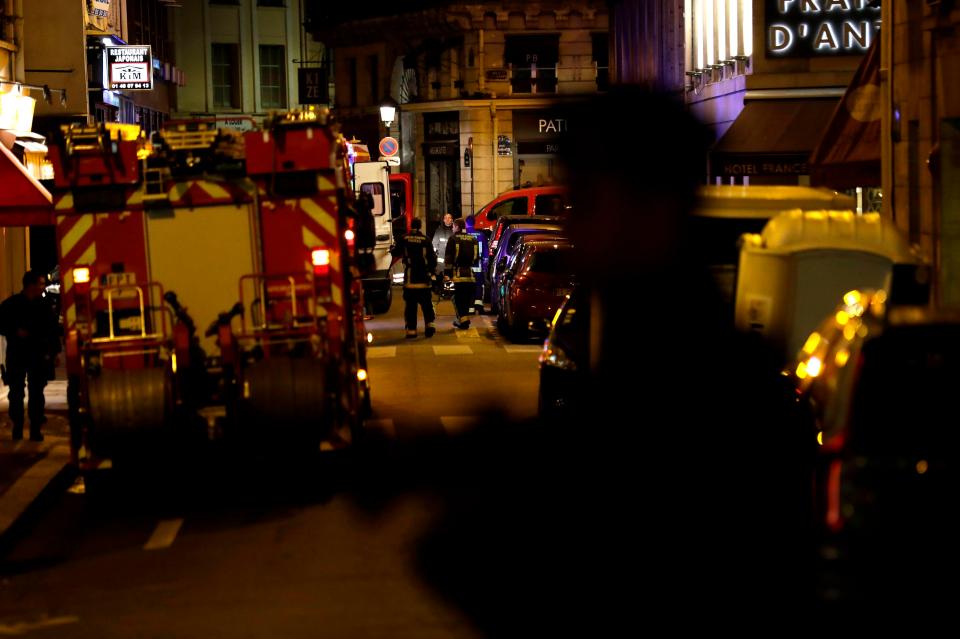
<point>848,154</point>
<point>23,200</point>
<point>771,137</point>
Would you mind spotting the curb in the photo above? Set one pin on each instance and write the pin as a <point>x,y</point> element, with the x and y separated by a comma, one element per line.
<point>42,478</point>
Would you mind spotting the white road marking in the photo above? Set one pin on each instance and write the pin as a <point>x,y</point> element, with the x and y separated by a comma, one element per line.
<point>23,627</point>
<point>377,352</point>
<point>385,426</point>
<point>522,348</point>
<point>452,350</point>
<point>164,534</point>
<point>458,424</point>
<point>470,333</point>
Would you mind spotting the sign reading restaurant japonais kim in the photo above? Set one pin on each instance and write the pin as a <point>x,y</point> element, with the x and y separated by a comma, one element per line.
<point>814,28</point>
<point>130,68</point>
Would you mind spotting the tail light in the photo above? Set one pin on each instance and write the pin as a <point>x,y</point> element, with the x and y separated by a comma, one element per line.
<point>834,516</point>
<point>321,261</point>
<point>81,278</point>
<point>351,237</point>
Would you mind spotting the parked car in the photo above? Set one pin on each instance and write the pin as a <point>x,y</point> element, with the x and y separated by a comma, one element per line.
<point>563,361</point>
<point>526,200</point>
<point>535,287</point>
<point>508,242</point>
<point>878,387</point>
<point>506,221</point>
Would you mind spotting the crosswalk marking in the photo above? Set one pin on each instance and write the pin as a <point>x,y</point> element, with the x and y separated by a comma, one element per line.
<point>522,348</point>
<point>164,534</point>
<point>470,333</point>
<point>452,350</point>
<point>458,424</point>
<point>385,426</point>
<point>377,352</point>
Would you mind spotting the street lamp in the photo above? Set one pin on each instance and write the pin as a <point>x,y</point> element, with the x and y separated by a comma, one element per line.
<point>388,112</point>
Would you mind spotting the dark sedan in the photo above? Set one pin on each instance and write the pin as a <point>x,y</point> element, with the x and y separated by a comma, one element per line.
<point>536,287</point>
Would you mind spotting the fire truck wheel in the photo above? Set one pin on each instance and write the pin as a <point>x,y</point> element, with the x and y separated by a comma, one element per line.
<point>128,407</point>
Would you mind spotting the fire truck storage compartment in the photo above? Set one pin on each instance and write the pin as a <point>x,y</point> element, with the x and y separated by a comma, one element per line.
<point>200,254</point>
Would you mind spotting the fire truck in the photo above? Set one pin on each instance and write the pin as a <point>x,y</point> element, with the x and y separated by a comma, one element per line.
<point>209,288</point>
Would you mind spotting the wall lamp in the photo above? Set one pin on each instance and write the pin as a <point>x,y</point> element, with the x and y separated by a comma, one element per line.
<point>46,90</point>
<point>696,81</point>
<point>742,63</point>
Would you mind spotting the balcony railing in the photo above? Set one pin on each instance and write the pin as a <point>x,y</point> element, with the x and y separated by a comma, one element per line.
<point>546,79</point>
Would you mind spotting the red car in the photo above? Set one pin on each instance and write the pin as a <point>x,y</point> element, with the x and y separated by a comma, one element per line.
<point>529,200</point>
<point>536,287</point>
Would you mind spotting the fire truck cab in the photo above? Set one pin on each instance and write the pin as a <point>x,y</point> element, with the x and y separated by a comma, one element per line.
<point>209,288</point>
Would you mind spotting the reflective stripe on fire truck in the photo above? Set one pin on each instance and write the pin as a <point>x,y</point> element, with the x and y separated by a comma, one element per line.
<point>77,247</point>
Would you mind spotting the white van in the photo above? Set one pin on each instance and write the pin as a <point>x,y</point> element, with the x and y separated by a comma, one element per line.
<point>791,275</point>
<point>374,178</point>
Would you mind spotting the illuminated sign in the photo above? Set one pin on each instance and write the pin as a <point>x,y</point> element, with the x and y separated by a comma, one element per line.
<point>812,28</point>
<point>130,68</point>
<point>100,8</point>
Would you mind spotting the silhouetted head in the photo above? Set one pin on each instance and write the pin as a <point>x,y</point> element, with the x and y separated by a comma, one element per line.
<point>416,224</point>
<point>34,284</point>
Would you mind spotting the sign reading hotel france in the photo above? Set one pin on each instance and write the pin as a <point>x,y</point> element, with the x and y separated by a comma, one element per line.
<point>814,28</point>
<point>130,68</point>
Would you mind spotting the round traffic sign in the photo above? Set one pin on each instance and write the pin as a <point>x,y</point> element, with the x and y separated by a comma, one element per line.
<point>389,147</point>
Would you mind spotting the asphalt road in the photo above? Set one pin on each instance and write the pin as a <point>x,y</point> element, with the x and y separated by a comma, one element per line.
<point>257,550</point>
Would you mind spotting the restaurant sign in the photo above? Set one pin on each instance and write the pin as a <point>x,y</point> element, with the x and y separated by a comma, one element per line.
<point>814,28</point>
<point>130,68</point>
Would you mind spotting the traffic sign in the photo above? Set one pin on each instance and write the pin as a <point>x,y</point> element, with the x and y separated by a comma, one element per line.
<point>389,147</point>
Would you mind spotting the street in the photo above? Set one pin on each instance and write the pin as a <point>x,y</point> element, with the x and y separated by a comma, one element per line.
<point>259,551</point>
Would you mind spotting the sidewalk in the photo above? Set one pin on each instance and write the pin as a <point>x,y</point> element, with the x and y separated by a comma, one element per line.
<point>27,468</point>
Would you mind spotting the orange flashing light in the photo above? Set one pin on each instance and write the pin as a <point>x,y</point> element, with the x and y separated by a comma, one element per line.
<point>320,257</point>
<point>81,275</point>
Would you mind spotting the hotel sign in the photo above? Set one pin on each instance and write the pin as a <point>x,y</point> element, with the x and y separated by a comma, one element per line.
<point>815,28</point>
<point>130,68</point>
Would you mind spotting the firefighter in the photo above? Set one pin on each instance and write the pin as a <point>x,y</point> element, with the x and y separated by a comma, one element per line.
<point>440,238</point>
<point>419,262</point>
<point>481,268</point>
<point>463,254</point>
<point>33,342</point>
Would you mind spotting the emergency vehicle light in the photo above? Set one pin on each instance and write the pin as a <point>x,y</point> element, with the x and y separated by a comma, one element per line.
<point>81,275</point>
<point>320,257</point>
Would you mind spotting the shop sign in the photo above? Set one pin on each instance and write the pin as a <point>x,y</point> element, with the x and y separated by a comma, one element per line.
<point>759,164</point>
<point>496,75</point>
<point>111,98</point>
<point>503,146</point>
<point>235,124</point>
<point>130,68</point>
<point>441,149</point>
<point>538,147</point>
<point>812,28</point>
<point>100,8</point>
<point>532,125</point>
<point>312,83</point>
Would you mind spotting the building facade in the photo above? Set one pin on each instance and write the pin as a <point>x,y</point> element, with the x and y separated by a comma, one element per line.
<point>242,57</point>
<point>480,89</point>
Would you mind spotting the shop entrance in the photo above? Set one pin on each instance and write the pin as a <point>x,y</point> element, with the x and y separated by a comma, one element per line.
<point>441,151</point>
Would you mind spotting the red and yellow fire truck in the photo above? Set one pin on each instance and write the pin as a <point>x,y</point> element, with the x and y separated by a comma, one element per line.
<point>209,287</point>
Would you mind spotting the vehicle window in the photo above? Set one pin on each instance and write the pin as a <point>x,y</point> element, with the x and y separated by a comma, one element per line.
<point>555,261</point>
<point>513,206</point>
<point>551,204</point>
<point>906,392</point>
<point>375,189</point>
<point>397,199</point>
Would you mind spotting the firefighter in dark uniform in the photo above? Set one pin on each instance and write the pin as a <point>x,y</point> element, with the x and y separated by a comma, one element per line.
<point>463,254</point>
<point>33,342</point>
<point>420,263</point>
<point>481,266</point>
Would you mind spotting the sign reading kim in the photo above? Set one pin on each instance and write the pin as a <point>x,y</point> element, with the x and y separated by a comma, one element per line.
<point>814,28</point>
<point>130,68</point>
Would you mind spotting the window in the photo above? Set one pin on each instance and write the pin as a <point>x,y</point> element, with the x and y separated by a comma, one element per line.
<point>352,74</point>
<point>514,206</point>
<point>601,57</point>
<point>549,205</point>
<point>271,3</point>
<point>374,63</point>
<point>234,2</point>
<point>273,90</point>
<point>533,61</point>
<point>375,189</point>
<point>226,89</point>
